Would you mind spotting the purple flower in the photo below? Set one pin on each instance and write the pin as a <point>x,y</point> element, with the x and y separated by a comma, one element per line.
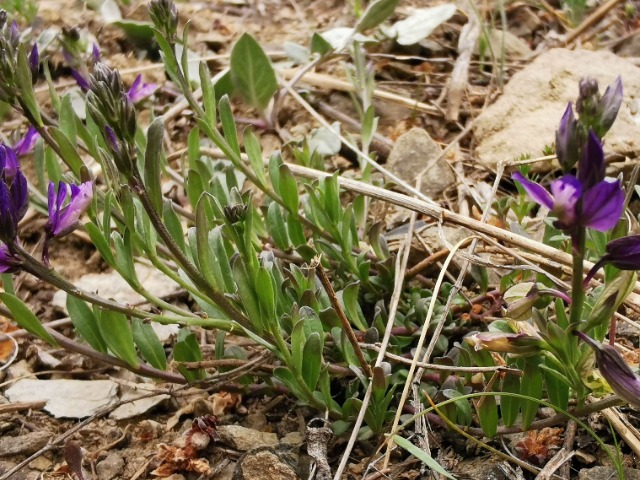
<point>140,90</point>
<point>13,194</point>
<point>63,219</point>
<point>567,140</point>
<point>25,144</point>
<point>623,253</point>
<point>585,201</point>
<point>615,370</point>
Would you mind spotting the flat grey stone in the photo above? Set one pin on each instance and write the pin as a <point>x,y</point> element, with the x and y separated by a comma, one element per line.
<point>412,153</point>
<point>526,116</point>
<point>65,398</point>
<point>605,473</point>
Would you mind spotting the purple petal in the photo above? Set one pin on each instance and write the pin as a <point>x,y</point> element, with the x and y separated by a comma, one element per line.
<point>25,144</point>
<point>95,53</point>
<point>5,259</point>
<point>535,191</point>
<point>20,195</point>
<point>140,90</point>
<point>69,216</point>
<point>591,168</point>
<point>8,162</point>
<point>80,79</point>
<point>602,206</point>
<point>624,253</point>
<point>566,192</point>
<point>566,140</point>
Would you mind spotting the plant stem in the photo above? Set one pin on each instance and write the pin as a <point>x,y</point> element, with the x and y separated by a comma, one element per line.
<point>192,272</point>
<point>49,275</point>
<point>577,291</point>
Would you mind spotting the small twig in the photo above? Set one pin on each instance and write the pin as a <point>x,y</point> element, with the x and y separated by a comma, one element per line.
<point>18,407</point>
<point>595,17</point>
<point>569,438</point>
<point>346,325</point>
<point>628,432</point>
<point>443,368</point>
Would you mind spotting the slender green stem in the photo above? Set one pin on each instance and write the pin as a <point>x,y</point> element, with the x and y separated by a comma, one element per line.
<point>577,291</point>
<point>192,272</point>
<point>49,275</point>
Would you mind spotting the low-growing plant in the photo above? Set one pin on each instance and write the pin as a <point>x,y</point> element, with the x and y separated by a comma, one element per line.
<point>290,263</point>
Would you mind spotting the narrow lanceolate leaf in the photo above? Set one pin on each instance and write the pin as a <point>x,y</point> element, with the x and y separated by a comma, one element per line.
<point>68,150</point>
<point>488,415</point>
<point>510,406</point>
<point>531,387</point>
<point>85,323</point>
<point>148,343</point>
<point>229,125</point>
<point>187,349</point>
<point>288,188</point>
<point>116,331</point>
<point>376,13</point>
<point>254,152</point>
<point>208,96</point>
<point>277,227</point>
<point>205,259</point>
<point>153,162</point>
<point>252,73</point>
<point>24,317</point>
<point>312,360</point>
<point>421,455</point>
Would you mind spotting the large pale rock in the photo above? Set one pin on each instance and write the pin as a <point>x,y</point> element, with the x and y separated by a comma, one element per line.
<point>412,153</point>
<point>527,115</point>
<point>500,40</point>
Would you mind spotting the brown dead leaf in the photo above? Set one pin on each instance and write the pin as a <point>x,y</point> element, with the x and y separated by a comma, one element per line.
<point>224,402</point>
<point>539,445</point>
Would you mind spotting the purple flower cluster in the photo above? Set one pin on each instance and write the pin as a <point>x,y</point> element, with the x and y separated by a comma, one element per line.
<point>64,215</point>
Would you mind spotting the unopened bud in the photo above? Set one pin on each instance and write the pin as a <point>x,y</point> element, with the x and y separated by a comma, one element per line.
<point>609,105</point>
<point>567,141</point>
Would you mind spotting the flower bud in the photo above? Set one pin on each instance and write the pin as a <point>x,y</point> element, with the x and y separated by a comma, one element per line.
<point>609,106</point>
<point>164,16</point>
<point>567,142</point>
<point>515,343</point>
<point>615,370</point>
<point>34,63</point>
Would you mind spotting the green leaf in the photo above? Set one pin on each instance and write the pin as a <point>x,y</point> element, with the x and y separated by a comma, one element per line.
<point>100,243</point>
<point>25,84</point>
<point>319,45</point>
<point>85,323</point>
<point>297,341</point>
<point>208,96</point>
<point>510,406</point>
<point>116,332</point>
<point>277,227</point>
<point>285,376</point>
<point>421,455</point>
<point>173,224</point>
<point>24,317</point>
<point>352,307</point>
<point>288,188</point>
<point>252,73</point>
<point>312,360</point>
<point>153,160</point>
<point>187,349</point>
<point>124,257</point>
<point>229,125</point>
<point>266,294</point>
<point>248,298</point>
<point>254,152</point>
<point>205,259</point>
<point>531,387</point>
<point>376,13</point>
<point>149,344</point>
<point>68,119</point>
<point>296,232</point>
<point>69,151</point>
<point>488,415</point>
